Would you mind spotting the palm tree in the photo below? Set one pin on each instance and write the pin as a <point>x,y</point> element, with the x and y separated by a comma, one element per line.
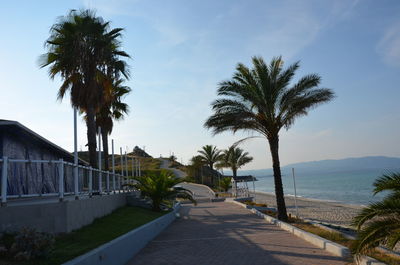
<point>225,183</point>
<point>85,52</point>
<point>113,109</point>
<point>235,158</point>
<point>379,223</point>
<point>210,155</point>
<point>263,100</point>
<point>162,189</point>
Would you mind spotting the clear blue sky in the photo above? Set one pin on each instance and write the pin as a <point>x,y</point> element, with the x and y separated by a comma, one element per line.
<point>182,49</point>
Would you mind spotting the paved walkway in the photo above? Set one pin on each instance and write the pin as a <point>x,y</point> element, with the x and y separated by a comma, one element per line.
<point>224,233</point>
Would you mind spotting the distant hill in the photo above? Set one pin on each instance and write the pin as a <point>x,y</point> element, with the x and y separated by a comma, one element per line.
<point>331,165</point>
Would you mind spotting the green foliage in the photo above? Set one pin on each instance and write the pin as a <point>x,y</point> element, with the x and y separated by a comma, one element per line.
<point>161,189</point>
<point>379,223</point>
<point>225,184</point>
<point>30,244</point>
<point>7,239</point>
<point>209,155</point>
<point>234,158</point>
<point>85,53</point>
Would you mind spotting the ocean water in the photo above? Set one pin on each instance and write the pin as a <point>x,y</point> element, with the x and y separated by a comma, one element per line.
<point>352,187</point>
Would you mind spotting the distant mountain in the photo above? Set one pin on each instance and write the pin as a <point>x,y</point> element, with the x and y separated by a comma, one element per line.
<point>331,165</point>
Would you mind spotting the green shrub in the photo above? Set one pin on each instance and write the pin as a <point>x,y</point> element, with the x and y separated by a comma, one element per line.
<point>30,244</point>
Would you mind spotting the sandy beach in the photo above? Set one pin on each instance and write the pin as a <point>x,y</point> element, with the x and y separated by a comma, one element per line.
<point>322,211</point>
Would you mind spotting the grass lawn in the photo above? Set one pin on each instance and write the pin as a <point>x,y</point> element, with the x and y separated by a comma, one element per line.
<point>101,231</point>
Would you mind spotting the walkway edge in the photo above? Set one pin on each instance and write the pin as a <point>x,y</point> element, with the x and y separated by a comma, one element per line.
<point>318,241</point>
<point>202,185</point>
<point>120,250</point>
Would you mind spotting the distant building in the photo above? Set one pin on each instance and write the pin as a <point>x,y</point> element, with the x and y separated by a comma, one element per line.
<point>19,142</point>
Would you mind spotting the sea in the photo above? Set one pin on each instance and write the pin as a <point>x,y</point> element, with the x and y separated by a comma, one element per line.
<point>350,187</point>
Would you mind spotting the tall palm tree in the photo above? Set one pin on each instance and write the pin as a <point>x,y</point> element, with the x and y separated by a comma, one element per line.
<point>379,223</point>
<point>210,155</point>
<point>85,52</point>
<point>262,99</point>
<point>113,109</point>
<point>234,158</point>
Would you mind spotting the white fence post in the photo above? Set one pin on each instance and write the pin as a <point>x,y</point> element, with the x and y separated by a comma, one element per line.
<point>76,181</point>
<point>4,178</point>
<point>113,164</point>
<point>100,183</point>
<point>61,180</point>
<point>90,181</point>
<point>108,182</point>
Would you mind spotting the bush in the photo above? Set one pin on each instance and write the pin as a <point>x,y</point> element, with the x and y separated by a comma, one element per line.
<point>30,244</point>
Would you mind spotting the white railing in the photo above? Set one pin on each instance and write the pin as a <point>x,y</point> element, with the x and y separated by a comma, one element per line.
<point>89,182</point>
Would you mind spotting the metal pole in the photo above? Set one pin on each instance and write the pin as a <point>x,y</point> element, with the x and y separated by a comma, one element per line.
<point>100,176</point>
<point>90,181</point>
<point>113,163</point>
<point>295,194</point>
<point>254,189</point>
<point>122,168</point>
<point>76,173</point>
<point>133,167</point>
<point>108,182</point>
<point>99,132</point>
<point>4,178</point>
<point>61,180</point>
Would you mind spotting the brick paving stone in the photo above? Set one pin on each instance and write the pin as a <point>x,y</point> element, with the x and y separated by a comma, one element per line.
<point>225,233</point>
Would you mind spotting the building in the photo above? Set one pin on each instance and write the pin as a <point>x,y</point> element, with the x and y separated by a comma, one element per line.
<point>17,142</point>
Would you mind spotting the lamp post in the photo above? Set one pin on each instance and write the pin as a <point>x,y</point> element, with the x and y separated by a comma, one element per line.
<point>76,186</point>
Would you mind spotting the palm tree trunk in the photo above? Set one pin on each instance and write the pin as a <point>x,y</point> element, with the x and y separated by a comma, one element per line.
<point>234,172</point>
<point>212,173</point>
<point>91,136</point>
<point>104,136</point>
<point>280,199</point>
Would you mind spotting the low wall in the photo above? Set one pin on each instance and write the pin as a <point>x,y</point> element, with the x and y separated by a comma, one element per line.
<point>120,250</point>
<point>59,217</point>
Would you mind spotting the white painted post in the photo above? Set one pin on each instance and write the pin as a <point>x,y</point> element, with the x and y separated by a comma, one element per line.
<point>108,182</point>
<point>4,177</point>
<point>254,189</point>
<point>61,180</point>
<point>133,167</point>
<point>76,172</point>
<point>90,181</point>
<point>295,194</point>
<point>122,168</point>
<point>113,163</point>
<point>100,175</point>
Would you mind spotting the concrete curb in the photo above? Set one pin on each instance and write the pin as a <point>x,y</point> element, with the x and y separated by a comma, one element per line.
<point>120,250</point>
<point>331,247</point>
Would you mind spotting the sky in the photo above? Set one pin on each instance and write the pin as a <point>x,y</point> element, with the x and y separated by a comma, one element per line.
<point>181,50</point>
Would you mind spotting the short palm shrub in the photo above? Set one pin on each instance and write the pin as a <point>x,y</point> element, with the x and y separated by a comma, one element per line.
<point>379,223</point>
<point>225,184</point>
<point>162,189</point>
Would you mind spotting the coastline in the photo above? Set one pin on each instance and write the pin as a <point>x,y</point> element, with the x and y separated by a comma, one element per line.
<point>332,212</point>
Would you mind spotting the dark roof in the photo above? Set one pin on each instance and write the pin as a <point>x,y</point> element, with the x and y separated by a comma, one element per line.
<point>243,178</point>
<point>16,127</point>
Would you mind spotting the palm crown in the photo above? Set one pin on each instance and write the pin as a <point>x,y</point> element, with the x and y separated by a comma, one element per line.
<point>234,158</point>
<point>261,99</point>
<point>210,155</point>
